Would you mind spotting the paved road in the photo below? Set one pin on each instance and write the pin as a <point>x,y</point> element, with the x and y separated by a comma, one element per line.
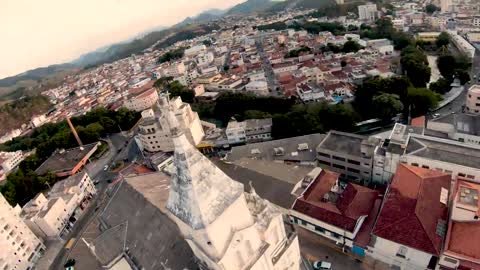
<point>314,248</point>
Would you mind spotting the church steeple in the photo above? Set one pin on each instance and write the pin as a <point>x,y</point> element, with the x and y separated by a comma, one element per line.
<point>200,192</point>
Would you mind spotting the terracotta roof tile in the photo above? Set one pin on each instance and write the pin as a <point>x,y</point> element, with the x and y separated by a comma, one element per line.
<point>412,209</point>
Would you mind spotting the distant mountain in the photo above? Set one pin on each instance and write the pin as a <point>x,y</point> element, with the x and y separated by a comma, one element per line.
<point>251,6</point>
<point>300,4</point>
<point>35,74</point>
<point>206,16</point>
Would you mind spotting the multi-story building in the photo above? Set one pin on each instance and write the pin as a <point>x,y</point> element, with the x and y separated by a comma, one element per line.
<point>53,216</point>
<point>462,44</point>
<point>476,21</point>
<point>142,101</point>
<point>367,12</point>
<point>225,227</point>
<point>251,130</point>
<point>10,160</point>
<point>154,131</point>
<point>20,247</point>
<point>473,99</point>
<point>236,132</point>
<point>195,50</point>
<point>333,211</point>
<point>461,244</point>
<point>411,226</point>
<point>350,155</point>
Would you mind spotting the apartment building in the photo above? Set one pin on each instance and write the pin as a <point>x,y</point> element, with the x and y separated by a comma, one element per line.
<point>20,247</point>
<point>349,154</point>
<point>53,215</point>
<point>473,100</point>
<point>154,131</point>
<point>367,12</point>
<point>251,130</point>
<point>10,160</point>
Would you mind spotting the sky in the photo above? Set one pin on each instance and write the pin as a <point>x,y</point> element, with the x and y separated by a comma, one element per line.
<point>36,33</point>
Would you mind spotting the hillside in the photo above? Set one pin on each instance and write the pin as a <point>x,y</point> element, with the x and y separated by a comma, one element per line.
<point>35,74</point>
<point>18,112</point>
<point>251,6</point>
<point>300,4</point>
<point>206,16</point>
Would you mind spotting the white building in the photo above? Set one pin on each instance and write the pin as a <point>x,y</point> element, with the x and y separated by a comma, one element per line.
<point>195,50</point>
<point>257,87</point>
<point>225,227</point>
<point>310,94</point>
<point>154,131</point>
<point>411,226</point>
<point>53,216</point>
<point>236,132</point>
<point>10,160</point>
<point>205,59</point>
<point>20,248</point>
<point>445,5</point>
<point>141,101</point>
<point>473,100</point>
<point>367,12</point>
<point>38,120</point>
<point>174,70</point>
<point>462,44</point>
<point>333,212</point>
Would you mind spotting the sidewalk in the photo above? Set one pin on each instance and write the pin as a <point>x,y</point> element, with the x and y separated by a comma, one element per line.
<point>315,247</point>
<point>450,96</point>
<point>53,248</point>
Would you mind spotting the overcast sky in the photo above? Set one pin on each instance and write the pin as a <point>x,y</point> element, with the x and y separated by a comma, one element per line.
<point>35,33</point>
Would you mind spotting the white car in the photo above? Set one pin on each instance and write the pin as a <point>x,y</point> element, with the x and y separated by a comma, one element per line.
<point>436,115</point>
<point>322,265</point>
<point>105,168</point>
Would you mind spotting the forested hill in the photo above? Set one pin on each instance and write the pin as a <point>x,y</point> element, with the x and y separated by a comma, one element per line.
<point>18,112</point>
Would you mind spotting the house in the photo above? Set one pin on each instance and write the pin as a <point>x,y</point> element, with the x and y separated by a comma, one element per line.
<point>411,226</point>
<point>258,130</point>
<point>462,250</point>
<point>332,210</point>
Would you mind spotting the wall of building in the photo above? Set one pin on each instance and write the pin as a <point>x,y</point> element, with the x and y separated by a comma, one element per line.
<point>386,251</point>
<point>352,167</point>
<point>455,170</point>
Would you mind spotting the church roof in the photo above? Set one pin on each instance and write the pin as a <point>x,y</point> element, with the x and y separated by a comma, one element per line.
<point>200,191</point>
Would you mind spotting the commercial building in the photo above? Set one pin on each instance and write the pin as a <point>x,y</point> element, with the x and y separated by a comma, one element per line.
<point>20,247</point>
<point>349,154</point>
<point>473,100</point>
<point>427,36</point>
<point>367,12</point>
<point>142,100</point>
<point>195,50</point>
<point>67,162</point>
<point>154,131</point>
<point>335,211</point>
<point>411,226</point>
<point>461,244</point>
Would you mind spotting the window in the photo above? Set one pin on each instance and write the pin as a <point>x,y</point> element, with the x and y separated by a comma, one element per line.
<point>338,158</point>
<point>402,252</point>
<point>469,176</point>
<point>319,229</point>
<point>425,167</point>
<point>353,170</point>
<point>339,166</point>
<point>415,164</point>
<point>324,155</point>
<point>462,174</point>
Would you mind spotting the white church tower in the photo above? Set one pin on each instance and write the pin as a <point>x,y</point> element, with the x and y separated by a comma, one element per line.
<point>226,228</point>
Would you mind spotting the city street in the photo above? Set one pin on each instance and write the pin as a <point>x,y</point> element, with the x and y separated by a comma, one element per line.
<point>315,248</point>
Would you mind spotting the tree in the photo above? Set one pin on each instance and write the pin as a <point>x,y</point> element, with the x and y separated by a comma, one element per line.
<point>255,114</point>
<point>176,89</point>
<point>422,100</point>
<point>415,66</point>
<point>351,46</point>
<point>343,63</point>
<point>207,42</point>
<point>442,40</point>
<point>446,65</point>
<point>441,86</point>
<point>463,76</point>
<point>387,105</point>
<point>162,82</point>
<point>431,8</point>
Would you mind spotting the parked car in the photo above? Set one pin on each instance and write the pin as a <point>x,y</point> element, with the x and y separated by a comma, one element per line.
<point>322,265</point>
<point>96,182</point>
<point>69,265</point>
<point>436,115</point>
<point>105,168</point>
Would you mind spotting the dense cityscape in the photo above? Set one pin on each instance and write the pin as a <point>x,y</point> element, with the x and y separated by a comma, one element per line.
<point>287,135</point>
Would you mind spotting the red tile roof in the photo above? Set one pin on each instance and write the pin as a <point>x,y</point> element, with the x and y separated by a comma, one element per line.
<point>354,202</point>
<point>412,209</point>
<point>418,121</point>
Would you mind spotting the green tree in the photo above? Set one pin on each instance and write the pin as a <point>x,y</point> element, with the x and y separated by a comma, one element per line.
<point>415,66</point>
<point>441,86</point>
<point>387,105</point>
<point>431,8</point>
<point>176,89</point>
<point>462,75</point>
<point>442,40</point>
<point>422,100</point>
<point>351,46</point>
<point>162,82</point>
<point>255,114</point>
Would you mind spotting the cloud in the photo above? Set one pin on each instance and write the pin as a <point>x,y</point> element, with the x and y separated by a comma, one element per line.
<point>40,33</point>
